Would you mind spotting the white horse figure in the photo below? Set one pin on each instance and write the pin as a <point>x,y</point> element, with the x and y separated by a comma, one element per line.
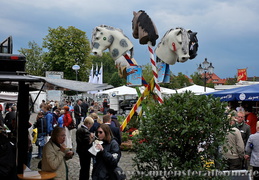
<point>104,37</point>
<point>174,46</point>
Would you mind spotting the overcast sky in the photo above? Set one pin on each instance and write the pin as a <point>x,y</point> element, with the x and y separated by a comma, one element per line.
<point>228,31</point>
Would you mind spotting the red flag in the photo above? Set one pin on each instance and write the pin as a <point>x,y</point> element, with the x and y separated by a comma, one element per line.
<point>241,75</point>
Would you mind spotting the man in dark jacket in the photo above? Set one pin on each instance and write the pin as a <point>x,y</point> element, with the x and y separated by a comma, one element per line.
<point>77,112</point>
<point>115,130</point>
<point>84,139</point>
<point>244,130</point>
<point>10,117</point>
<point>84,108</point>
<point>242,126</point>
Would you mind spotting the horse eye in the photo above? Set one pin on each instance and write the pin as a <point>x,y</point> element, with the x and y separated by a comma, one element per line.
<point>101,33</point>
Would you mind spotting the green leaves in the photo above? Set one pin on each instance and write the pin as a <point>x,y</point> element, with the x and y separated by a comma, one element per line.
<point>174,130</point>
<point>67,47</point>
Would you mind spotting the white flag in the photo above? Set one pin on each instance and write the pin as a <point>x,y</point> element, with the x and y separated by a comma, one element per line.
<point>95,79</point>
<point>100,75</point>
<point>91,75</point>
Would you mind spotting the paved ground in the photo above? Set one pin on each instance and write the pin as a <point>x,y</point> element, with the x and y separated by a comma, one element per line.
<point>73,164</point>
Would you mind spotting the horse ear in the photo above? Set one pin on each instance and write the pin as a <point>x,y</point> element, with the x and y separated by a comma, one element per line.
<point>177,31</point>
<point>134,13</point>
<point>97,29</point>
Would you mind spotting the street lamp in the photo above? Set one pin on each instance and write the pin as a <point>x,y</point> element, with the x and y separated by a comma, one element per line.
<point>207,68</point>
<point>76,68</point>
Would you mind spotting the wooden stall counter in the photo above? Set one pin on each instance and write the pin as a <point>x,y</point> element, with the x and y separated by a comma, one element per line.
<point>34,175</point>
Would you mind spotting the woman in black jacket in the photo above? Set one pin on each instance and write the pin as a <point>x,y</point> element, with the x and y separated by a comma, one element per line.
<point>109,155</point>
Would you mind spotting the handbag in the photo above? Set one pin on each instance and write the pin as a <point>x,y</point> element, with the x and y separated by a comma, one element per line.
<point>71,125</point>
<point>119,174</point>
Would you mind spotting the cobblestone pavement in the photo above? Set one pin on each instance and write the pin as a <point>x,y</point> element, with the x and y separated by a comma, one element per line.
<point>73,164</point>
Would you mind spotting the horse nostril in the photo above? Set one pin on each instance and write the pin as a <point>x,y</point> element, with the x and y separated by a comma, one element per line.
<point>95,53</point>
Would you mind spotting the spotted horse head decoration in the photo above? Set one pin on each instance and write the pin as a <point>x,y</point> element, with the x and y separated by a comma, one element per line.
<point>107,37</point>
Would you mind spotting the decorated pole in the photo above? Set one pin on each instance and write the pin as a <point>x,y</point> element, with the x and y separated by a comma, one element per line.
<point>146,92</point>
<point>154,69</point>
<point>145,30</point>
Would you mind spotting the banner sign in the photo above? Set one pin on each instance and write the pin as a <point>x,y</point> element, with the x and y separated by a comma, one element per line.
<point>163,72</point>
<point>134,76</point>
<point>241,75</point>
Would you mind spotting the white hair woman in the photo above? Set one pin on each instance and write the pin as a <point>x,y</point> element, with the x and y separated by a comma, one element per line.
<point>55,154</point>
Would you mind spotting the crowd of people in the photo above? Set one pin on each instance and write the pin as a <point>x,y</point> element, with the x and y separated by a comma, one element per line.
<point>52,134</point>
<point>55,122</point>
<point>57,125</point>
<point>242,141</point>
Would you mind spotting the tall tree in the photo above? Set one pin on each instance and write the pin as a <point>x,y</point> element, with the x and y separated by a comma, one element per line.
<point>177,82</point>
<point>67,47</point>
<point>116,80</point>
<point>34,56</point>
<point>197,79</point>
<point>231,81</point>
<point>183,80</point>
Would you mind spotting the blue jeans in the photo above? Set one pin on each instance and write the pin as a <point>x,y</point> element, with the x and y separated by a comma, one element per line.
<point>40,147</point>
<point>29,155</point>
<point>40,151</point>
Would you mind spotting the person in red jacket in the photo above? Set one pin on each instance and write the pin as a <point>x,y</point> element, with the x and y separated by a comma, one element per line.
<point>251,119</point>
<point>67,120</point>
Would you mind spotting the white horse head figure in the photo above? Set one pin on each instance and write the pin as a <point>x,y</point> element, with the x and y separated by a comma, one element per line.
<point>104,37</point>
<point>174,46</point>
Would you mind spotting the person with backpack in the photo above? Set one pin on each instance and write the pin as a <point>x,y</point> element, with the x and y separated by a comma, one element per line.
<point>49,118</point>
<point>41,125</point>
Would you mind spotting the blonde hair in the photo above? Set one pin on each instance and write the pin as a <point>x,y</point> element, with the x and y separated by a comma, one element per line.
<point>96,117</point>
<point>88,120</point>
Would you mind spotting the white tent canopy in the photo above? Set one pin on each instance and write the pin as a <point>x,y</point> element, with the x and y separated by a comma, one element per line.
<point>163,90</point>
<point>167,90</point>
<point>196,89</point>
<point>8,97</point>
<point>120,91</point>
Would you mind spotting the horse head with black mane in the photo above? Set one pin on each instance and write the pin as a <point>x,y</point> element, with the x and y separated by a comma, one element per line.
<point>143,28</point>
<point>177,45</point>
